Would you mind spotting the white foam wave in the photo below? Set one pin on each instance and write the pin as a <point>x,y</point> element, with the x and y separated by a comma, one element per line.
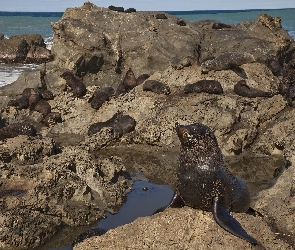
<point>48,41</point>
<point>10,72</point>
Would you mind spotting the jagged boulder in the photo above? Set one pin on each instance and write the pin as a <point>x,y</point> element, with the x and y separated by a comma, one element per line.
<point>29,48</point>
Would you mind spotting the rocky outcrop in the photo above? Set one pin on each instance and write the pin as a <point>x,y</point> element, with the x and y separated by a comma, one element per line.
<point>24,49</point>
<point>72,178</point>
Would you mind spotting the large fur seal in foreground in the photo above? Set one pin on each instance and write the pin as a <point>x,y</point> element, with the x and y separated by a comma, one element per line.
<point>229,60</point>
<point>242,89</point>
<point>207,86</point>
<point>204,181</point>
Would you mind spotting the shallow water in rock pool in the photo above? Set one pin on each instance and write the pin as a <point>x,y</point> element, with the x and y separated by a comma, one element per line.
<point>144,199</point>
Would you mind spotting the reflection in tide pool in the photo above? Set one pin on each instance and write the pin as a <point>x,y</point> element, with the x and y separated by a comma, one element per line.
<point>144,200</point>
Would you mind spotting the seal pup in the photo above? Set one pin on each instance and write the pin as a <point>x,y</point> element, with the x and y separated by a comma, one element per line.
<point>204,181</point>
<point>242,89</point>
<point>16,129</point>
<point>21,103</point>
<point>100,96</point>
<point>220,26</point>
<point>156,87</point>
<point>287,84</point>
<point>228,60</point>
<point>128,83</point>
<point>207,86</point>
<point>76,85</point>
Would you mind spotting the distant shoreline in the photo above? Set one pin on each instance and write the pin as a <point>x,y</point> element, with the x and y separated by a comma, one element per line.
<point>183,12</point>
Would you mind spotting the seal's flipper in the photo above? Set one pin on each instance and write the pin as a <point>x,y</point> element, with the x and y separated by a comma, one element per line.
<point>176,201</point>
<point>226,221</point>
<point>239,71</point>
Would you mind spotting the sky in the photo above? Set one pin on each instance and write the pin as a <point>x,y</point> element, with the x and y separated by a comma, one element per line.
<point>158,5</point>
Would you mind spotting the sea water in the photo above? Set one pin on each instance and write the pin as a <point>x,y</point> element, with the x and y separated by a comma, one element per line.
<point>16,23</point>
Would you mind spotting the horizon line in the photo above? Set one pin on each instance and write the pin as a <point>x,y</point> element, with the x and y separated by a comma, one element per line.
<point>152,10</point>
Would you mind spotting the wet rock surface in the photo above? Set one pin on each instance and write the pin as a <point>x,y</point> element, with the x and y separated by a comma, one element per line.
<point>63,176</point>
<point>28,48</point>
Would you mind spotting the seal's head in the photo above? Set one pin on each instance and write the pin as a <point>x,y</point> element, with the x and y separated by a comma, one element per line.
<point>196,135</point>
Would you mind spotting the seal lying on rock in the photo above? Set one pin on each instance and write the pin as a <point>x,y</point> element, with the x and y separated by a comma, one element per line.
<point>204,181</point>
<point>16,129</point>
<point>120,124</point>
<point>220,26</point>
<point>114,8</point>
<point>207,86</point>
<point>242,89</point>
<point>124,125</point>
<point>287,84</point>
<point>100,96</point>
<point>75,83</point>
<point>52,118</point>
<point>227,60</point>
<point>128,83</point>
<point>156,87</point>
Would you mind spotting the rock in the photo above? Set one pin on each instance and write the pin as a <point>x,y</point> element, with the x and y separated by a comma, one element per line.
<point>24,49</point>
<point>73,178</point>
<point>183,228</point>
<point>1,36</point>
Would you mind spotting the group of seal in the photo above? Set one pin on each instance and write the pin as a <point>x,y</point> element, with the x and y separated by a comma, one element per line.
<point>37,100</point>
<point>204,181</point>
<point>121,9</point>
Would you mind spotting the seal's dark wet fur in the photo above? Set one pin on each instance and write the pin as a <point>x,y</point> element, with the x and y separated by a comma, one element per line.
<point>204,181</point>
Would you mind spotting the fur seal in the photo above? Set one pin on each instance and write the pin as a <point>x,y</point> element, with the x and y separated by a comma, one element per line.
<point>75,83</point>
<point>128,83</point>
<point>120,124</point>
<point>228,60</point>
<point>141,79</point>
<point>100,96</point>
<point>123,125</point>
<point>204,181</point>
<point>273,63</point>
<point>161,16</point>
<point>21,103</point>
<point>51,119</point>
<point>287,84</point>
<point>181,62</point>
<point>220,26</point>
<point>242,89</point>
<point>207,86</point>
<point>156,87</point>
<point>114,8</point>
<point>130,10</point>
<point>96,127</point>
<point>180,22</point>
<point>16,129</point>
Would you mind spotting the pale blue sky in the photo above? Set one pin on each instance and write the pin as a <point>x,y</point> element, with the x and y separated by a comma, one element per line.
<point>61,5</point>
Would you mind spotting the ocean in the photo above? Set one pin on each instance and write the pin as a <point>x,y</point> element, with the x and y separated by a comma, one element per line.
<point>15,23</point>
